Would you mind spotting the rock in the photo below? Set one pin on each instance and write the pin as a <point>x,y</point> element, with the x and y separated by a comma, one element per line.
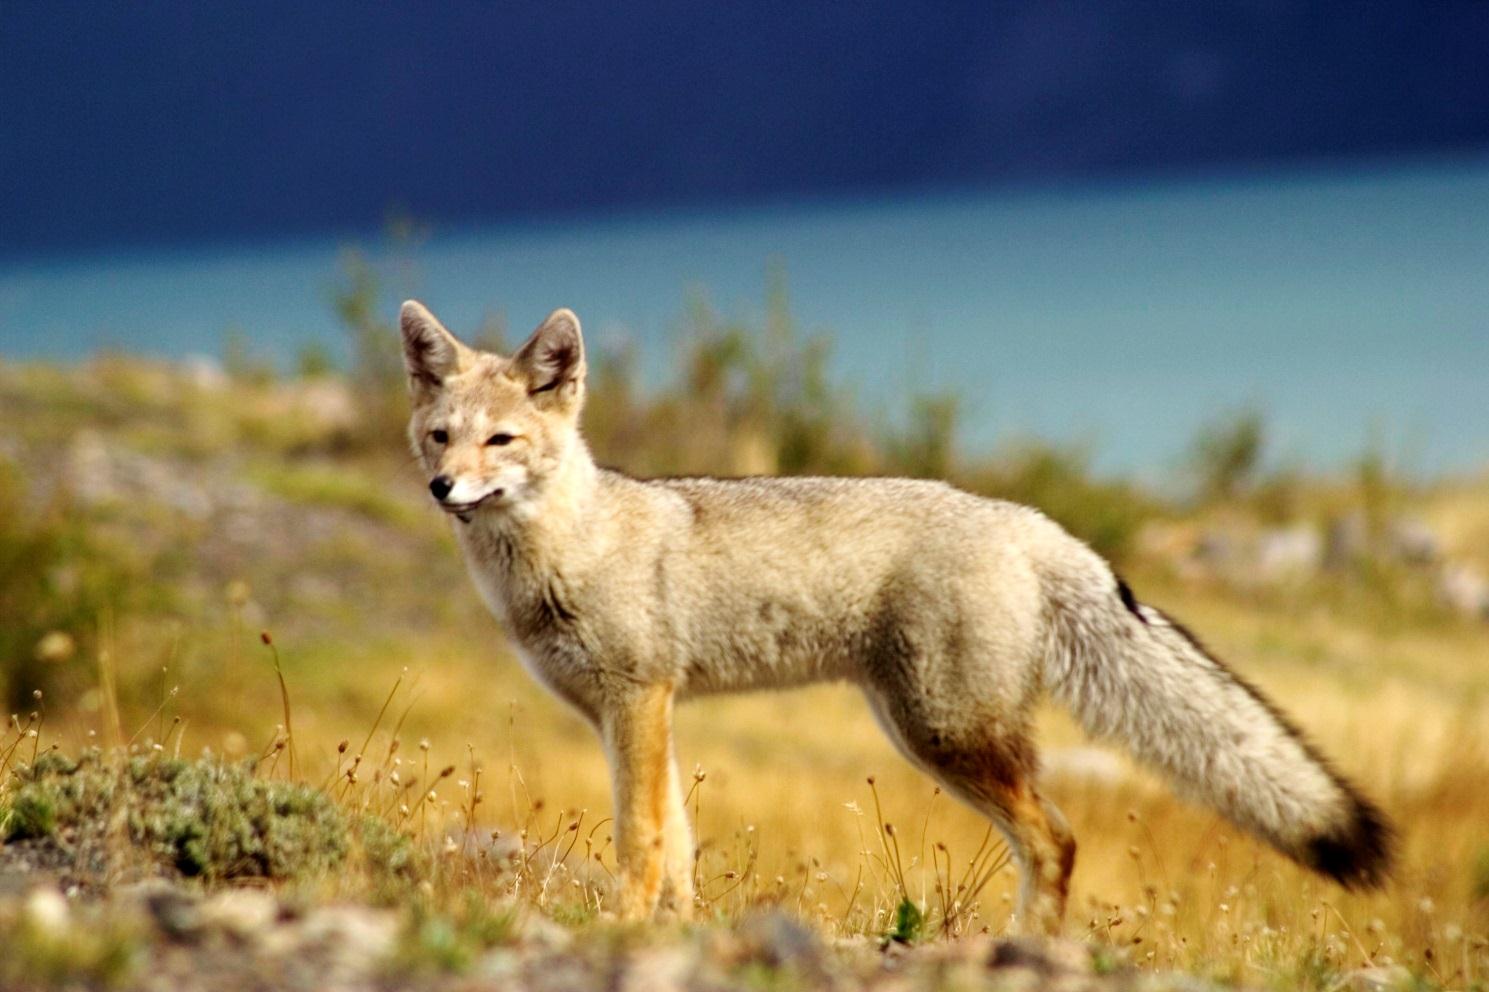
<point>1465,590</point>
<point>352,937</point>
<point>658,969</point>
<point>45,911</point>
<point>331,403</point>
<point>246,914</point>
<point>500,966</point>
<point>99,472</point>
<point>777,939</point>
<point>537,930</point>
<point>321,406</point>
<point>174,910</point>
<point>1413,542</point>
<point>1288,551</point>
<point>88,472</point>
<point>1045,957</point>
<point>1215,549</point>
<point>204,373</point>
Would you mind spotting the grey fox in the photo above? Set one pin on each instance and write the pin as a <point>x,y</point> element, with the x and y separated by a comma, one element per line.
<point>952,613</point>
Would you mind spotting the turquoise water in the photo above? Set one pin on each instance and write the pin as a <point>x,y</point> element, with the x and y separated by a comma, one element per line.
<point>1348,306</point>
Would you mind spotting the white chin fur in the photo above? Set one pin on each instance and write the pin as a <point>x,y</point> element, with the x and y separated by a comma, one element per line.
<point>467,492</point>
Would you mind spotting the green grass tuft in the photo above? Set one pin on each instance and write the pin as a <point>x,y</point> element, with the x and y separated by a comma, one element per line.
<point>909,923</point>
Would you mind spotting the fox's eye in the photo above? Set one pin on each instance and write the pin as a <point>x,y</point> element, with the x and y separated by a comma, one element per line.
<point>439,437</point>
<point>499,439</point>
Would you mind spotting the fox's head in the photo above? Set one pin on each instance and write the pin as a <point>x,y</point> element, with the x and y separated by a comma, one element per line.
<point>490,431</point>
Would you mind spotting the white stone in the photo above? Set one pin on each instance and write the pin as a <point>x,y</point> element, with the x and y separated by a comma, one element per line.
<point>46,911</point>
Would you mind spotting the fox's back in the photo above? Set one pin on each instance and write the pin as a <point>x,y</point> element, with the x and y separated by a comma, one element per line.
<point>788,580</point>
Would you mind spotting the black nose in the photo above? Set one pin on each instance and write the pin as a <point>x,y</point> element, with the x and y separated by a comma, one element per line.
<point>441,485</point>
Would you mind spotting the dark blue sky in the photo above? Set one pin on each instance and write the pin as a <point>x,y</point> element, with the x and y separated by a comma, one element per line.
<point>176,121</point>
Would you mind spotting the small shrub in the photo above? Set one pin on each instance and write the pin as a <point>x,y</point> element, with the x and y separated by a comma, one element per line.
<point>392,860</point>
<point>1105,514</point>
<point>1226,455</point>
<point>200,818</point>
<point>314,361</point>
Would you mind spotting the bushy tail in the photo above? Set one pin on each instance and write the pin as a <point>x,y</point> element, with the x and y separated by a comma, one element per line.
<point>1130,673</point>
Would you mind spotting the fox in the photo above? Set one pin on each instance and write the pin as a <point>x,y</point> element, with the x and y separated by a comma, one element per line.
<point>953,614</point>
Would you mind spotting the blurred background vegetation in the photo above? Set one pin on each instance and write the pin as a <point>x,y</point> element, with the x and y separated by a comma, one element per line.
<point>1090,217</point>
<point>156,516</point>
<point>109,449</point>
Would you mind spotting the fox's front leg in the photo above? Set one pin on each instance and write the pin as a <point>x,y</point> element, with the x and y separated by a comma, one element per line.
<point>653,844</point>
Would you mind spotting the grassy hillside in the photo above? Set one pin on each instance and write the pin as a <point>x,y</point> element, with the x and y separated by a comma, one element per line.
<point>156,520</point>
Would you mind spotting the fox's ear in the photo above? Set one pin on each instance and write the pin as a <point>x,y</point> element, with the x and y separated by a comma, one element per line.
<point>430,352</point>
<point>552,360</point>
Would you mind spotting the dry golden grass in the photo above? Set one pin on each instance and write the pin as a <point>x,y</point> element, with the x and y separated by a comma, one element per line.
<point>784,814</point>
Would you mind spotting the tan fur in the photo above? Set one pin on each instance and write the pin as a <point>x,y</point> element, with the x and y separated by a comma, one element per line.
<point>653,844</point>
<point>953,614</point>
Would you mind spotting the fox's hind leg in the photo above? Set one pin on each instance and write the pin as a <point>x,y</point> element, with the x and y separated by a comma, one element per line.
<point>992,769</point>
<point>1041,841</point>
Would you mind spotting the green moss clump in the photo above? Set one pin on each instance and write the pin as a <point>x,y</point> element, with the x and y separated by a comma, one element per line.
<point>201,818</point>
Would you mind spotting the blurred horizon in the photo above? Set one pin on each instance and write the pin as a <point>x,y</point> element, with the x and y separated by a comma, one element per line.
<point>1349,310</point>
<point>1101,225</point>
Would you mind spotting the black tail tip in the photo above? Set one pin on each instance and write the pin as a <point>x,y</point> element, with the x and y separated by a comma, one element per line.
<point>1356,853</point>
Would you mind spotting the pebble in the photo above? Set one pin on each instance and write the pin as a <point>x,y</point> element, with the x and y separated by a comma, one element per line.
<point>243,913</point>
<point>45,910</point>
